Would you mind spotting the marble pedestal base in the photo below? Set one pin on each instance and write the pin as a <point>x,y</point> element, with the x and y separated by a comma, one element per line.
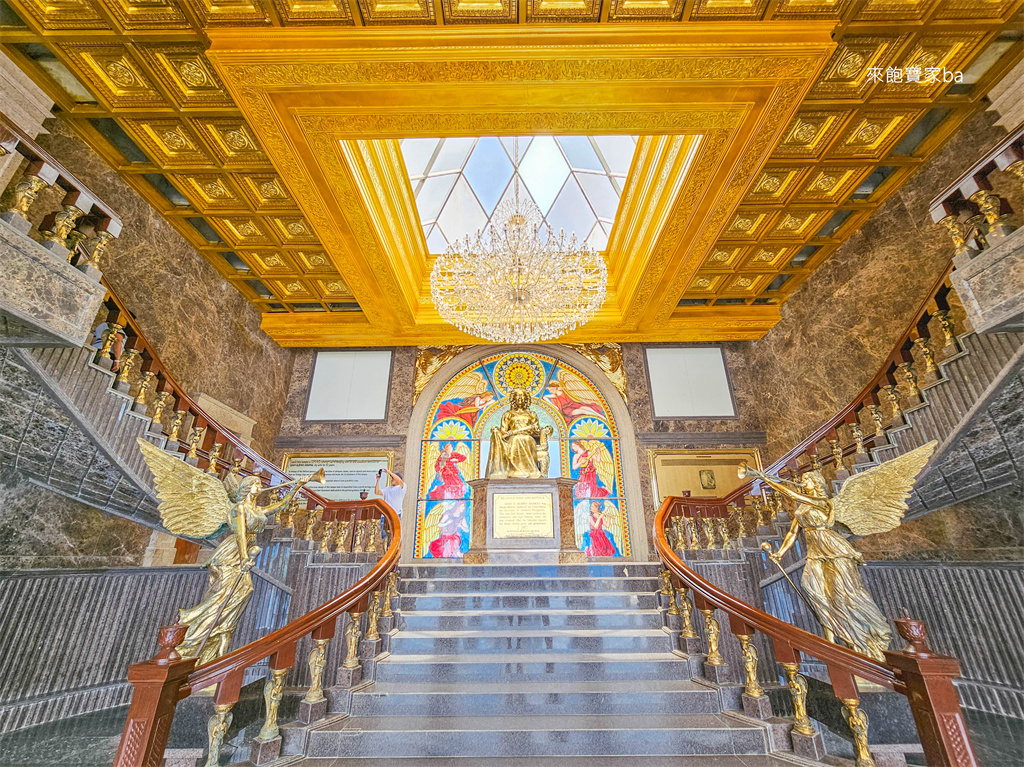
<point>808,746</point>
<point>312,712</point>
<point>757,708</point>
<point>557,548</point>
<point>264,751</point>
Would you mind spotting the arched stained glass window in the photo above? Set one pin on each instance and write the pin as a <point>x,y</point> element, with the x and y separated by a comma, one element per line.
<point>456,441</point>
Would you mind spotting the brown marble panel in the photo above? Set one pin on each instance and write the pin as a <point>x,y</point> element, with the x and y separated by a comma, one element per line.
<point>204,330</point>
<point>843,320</point>
<point>42,529</point>
<point>987,528</point>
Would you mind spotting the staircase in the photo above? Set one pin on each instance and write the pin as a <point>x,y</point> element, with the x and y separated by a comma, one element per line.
<point>517,665</point>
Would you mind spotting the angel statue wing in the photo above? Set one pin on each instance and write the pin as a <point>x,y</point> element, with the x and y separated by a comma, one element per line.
<point>468,385</point>
<point>192,502</point>
<point>876,500</point>
<point>578,390</point>
<point>602,460</point>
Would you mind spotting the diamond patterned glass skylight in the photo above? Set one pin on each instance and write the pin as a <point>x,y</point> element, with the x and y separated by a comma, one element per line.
<point>576,181</point>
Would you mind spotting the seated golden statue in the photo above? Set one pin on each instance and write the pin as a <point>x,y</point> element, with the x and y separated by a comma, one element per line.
<point>519,447</point>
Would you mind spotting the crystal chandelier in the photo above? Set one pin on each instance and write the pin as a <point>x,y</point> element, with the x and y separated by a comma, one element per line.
<point>515,281</point>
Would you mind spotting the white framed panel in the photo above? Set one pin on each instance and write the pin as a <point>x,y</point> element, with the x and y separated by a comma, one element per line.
<point>349,386</point>
<point>689,382</point>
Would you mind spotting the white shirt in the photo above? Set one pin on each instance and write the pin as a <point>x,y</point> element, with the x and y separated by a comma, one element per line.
<point>393,497</point>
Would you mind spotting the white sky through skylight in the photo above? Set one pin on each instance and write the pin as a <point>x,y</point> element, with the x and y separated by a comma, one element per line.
<point>576,181</point>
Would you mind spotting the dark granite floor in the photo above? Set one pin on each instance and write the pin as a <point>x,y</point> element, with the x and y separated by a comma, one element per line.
<point>91,741</point>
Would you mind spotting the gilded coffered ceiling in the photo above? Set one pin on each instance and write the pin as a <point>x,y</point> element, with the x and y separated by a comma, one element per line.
<point>267,132</point>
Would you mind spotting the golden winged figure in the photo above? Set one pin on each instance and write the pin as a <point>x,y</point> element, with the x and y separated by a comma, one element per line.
<point>867,503</point>
<point>198,505</point>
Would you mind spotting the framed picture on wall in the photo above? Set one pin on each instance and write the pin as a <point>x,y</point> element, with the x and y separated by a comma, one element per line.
<point>704,473</point>
<point>347,474</point>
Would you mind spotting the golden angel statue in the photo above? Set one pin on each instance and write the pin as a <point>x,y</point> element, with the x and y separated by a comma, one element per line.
<point>519,447</point>
<point>867,503</point>
<point>199,505</point>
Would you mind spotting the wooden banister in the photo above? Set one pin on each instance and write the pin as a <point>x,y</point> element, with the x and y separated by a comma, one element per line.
<point>924,677</point>
<point>167,678</point>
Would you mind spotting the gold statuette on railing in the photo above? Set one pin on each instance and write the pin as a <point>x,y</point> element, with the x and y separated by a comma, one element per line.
<point>798,691</point>
<point>216,730</point>
<point>752,686</point>
<point>867,503</point>
<point>713,632</point>
<point>352,634</point>
<point>372,614</point>
<point>317,664</point>
<point>198,505</point>
<point>686,608</point>
<point>273,694</point>
<point>858,723</point>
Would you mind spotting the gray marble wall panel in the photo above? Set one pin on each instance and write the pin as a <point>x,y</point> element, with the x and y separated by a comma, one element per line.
<point>67,637</point>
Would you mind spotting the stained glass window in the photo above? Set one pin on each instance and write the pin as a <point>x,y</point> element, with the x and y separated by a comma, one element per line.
<point>576,181</point>
<point>456,442</point>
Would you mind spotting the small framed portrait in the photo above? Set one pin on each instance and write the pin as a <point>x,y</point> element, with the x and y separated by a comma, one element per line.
<point>707,479</point>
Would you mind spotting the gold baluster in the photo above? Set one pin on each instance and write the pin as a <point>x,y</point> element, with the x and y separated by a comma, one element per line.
<point>709,538</point>
<point>390,592</point>
<point>328,536</point>
<point>892,396</point>
<point>909,375</point>
<point>372,535</point>
<point>924,348</point>
<point>307,534</point>
<point>723,532</point>
<point>990,205</point>
<point>372,614</point>
<point>236,467</point>
<point>958,232</point>
<point>273,693</point>
<point>358,546</point>
<point>858,438</point>
<point>979,228</point>
<point>109,334</point>
<point>142,397</point>
<point>63,223</point>
<point>798,690</point>
<point>342,540</point>
<point>213,456</point>
<point>71,243</point>
<point>174,434</point>
<point>195,436</point>
<point>317,664</point>
<point>690,530</point>
<point>877,419</point>
<point>753,687</point>
<point>858,722</point>
<point>128,360</point>
<point>284,519</point>
<point>217,729</point>
<point>837,454</point>
<point>162,401</point>
<point>25,194</point>
<point>1017,169</point>
<point>352,634</point>
<point>714,633</point>
<point>815,462</point>
<point>686,608</point>
<point>946,325</point>
<point>666,582</point>
<point>673,608</point>
<point>96,247</point>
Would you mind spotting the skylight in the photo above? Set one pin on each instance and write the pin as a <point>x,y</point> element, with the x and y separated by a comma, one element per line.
<point>576,181</point>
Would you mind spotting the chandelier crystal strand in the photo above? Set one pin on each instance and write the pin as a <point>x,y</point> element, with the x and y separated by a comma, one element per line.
<point>515,281</point>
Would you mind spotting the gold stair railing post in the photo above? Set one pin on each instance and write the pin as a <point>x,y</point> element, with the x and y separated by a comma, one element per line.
<point>686,608</point>
<point>225,697</point>
<point>352,634</point>
<point>317,664</point>
<point>390,592</point>
<point>713,632</point>
<point>666,582</point>
<point>372,615</point>
<point>798,692</point>
<point>858,723</point>
<point>751,687</point>
<point>273,694</point>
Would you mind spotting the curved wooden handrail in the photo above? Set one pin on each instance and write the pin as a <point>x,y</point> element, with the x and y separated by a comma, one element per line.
<point>289,634</point>
<point>810,644</point>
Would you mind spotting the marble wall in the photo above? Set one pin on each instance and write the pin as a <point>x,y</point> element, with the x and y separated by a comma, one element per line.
<point>42,529</point>
<point>839,325</point>
<point>204,330</point>
<point>297,434</point>
<point>989,528</point>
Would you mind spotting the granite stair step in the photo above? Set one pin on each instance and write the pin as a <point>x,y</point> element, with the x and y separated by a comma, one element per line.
<point>546,667</point>
<point>747,760</point>
<point>536,699</point>
<point>523,601</point>
<point>530,641</point>
<point>647,569</point>
<point>492,620</point>
<point>533,586</point>
<point>536,736</point>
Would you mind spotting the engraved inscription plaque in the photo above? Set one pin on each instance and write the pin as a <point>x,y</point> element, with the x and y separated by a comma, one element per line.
<point>522,515</point>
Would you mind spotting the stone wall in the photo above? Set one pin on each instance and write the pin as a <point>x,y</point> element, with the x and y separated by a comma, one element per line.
<point>40,528</point>
<point>987,528</point>
<point>204,330</point>
<point>839,325</point>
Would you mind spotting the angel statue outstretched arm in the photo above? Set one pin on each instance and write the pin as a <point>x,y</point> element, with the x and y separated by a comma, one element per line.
<point>873,501</point>
<point>789,490</point>
<point>198,505</point>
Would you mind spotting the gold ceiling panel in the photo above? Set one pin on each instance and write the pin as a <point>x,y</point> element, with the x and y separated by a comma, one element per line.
<point>145,64</point>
